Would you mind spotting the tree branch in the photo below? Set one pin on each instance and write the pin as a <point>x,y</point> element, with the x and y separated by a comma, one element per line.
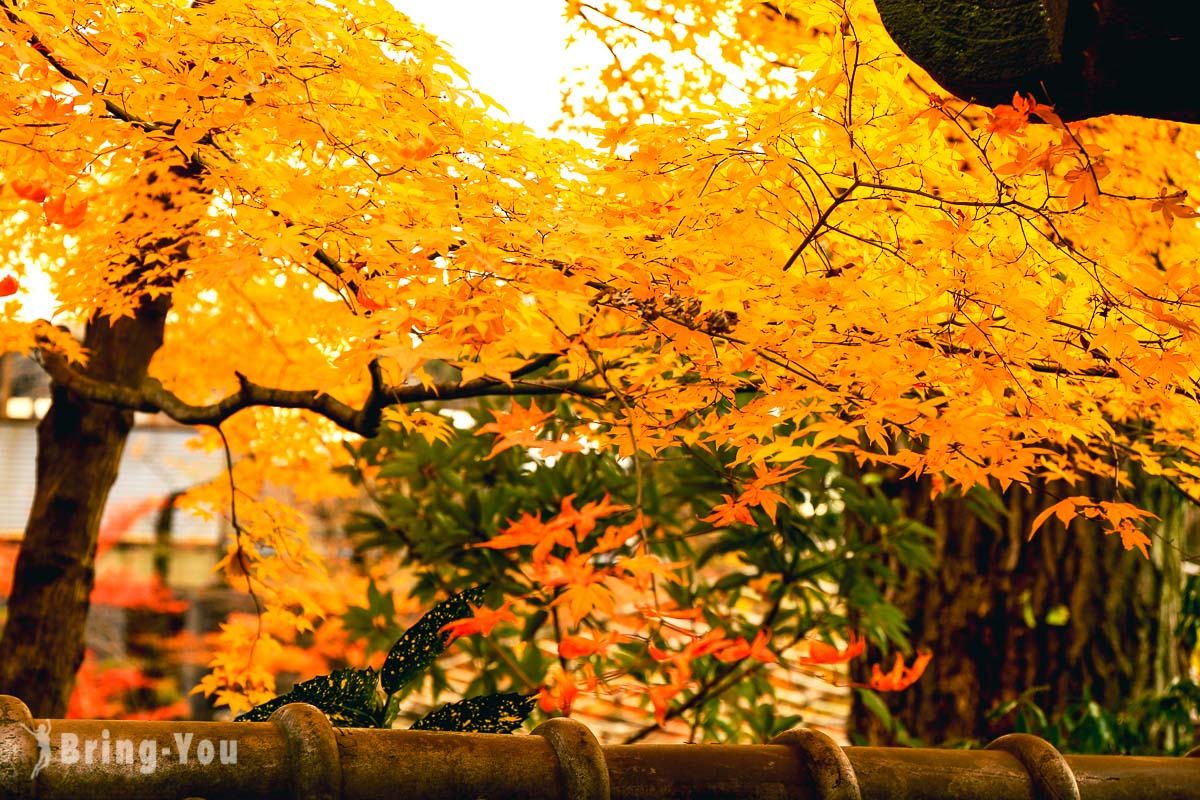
<point>842,197</point>
<point>151,397</point>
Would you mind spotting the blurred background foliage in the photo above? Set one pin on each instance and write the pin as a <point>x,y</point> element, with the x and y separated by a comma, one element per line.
<point>840,543</point>
<point>804,574</point>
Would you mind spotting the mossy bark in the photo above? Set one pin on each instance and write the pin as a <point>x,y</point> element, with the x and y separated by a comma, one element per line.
<point>1087,58</point>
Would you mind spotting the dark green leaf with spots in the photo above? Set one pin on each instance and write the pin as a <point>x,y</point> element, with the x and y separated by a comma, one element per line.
<point>349,697</point>
<point>493,713</point>
<point>424,642</point>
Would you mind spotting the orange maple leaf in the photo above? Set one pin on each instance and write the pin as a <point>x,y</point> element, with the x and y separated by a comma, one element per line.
<point>660,699</point>
<point>659,654</point>
<point>740,649</point>
<point>581,598</point>
<point>557,531</point>
<point>1012,118</point>
<point>757,493</point>
<point>660,696</point>
<point>823,653</point>
<point>418,148</point>
<point>56,212</point>
<point>642,567</point>
<point>617,536</point>
<point>729,513</point>
<point>517,426</point>
<point>49,109</point>
<point>900,677</point>
<point>559,691</point>
<point>704,645</point>
<point>1084,186</point>
<point>578,646</point>
<point>481,621</point>
<point>1131,537</point>
<point>543,536</point>
<point>365,301</point>
<point>1173,206</point>
<point>1065,509</point>
<point>1120,516</point>
<point>585,518</point>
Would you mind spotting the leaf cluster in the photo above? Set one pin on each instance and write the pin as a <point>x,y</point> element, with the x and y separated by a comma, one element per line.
<point>364,698</point>
<point>1154,723</point>
<point>781,578</point>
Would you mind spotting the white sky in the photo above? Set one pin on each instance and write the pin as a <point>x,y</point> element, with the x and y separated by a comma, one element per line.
<point>514,50</point>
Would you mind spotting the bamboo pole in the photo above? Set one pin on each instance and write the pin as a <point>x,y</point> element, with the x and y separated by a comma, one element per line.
<point>298,754</point>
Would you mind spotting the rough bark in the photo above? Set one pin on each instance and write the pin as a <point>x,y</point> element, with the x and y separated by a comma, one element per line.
<point>975,608</point>
<point>1086,57</point>
<point>79,451</point>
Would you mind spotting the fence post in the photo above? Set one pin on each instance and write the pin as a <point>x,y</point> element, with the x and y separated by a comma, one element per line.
<point>580,758</point>
<point>825,762</point>
<point>1049,773</point>
<point>312,761</point>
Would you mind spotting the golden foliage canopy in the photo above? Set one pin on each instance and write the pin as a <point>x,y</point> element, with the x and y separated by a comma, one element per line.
<point>779,240</point>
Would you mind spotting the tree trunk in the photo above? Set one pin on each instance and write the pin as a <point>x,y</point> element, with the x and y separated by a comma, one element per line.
<point>6,371</point>
<point>1071,611</point>
<point>79,451</point>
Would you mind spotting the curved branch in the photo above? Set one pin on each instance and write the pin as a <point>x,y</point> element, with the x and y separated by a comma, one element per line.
<point>150,396</point>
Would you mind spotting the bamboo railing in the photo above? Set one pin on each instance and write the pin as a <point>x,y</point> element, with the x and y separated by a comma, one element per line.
<point>298,754</point>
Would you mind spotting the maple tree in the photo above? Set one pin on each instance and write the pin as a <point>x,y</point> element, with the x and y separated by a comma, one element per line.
<point>288,221</point>
<point>973,608</point>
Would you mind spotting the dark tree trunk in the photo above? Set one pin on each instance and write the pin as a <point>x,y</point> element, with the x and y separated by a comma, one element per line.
<point>992,613</point>
<point>79,451</point>
<point>1086,57</point>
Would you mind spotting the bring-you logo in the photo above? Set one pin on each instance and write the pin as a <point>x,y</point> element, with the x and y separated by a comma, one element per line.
<point>105,749</point>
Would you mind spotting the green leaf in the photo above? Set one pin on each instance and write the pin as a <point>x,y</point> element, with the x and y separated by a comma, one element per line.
<point>734,580</point>
<point>399,465</point>
<point>349,697</point>
<point>391,711</point>
<point>876,706</point>
<point>493,713</point>
<point>424,642</point>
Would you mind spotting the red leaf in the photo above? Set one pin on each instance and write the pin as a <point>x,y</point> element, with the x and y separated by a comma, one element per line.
<point>30,190</point>
<point>367,302</point>
<point>56,212</point>
<point>8,285</point>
